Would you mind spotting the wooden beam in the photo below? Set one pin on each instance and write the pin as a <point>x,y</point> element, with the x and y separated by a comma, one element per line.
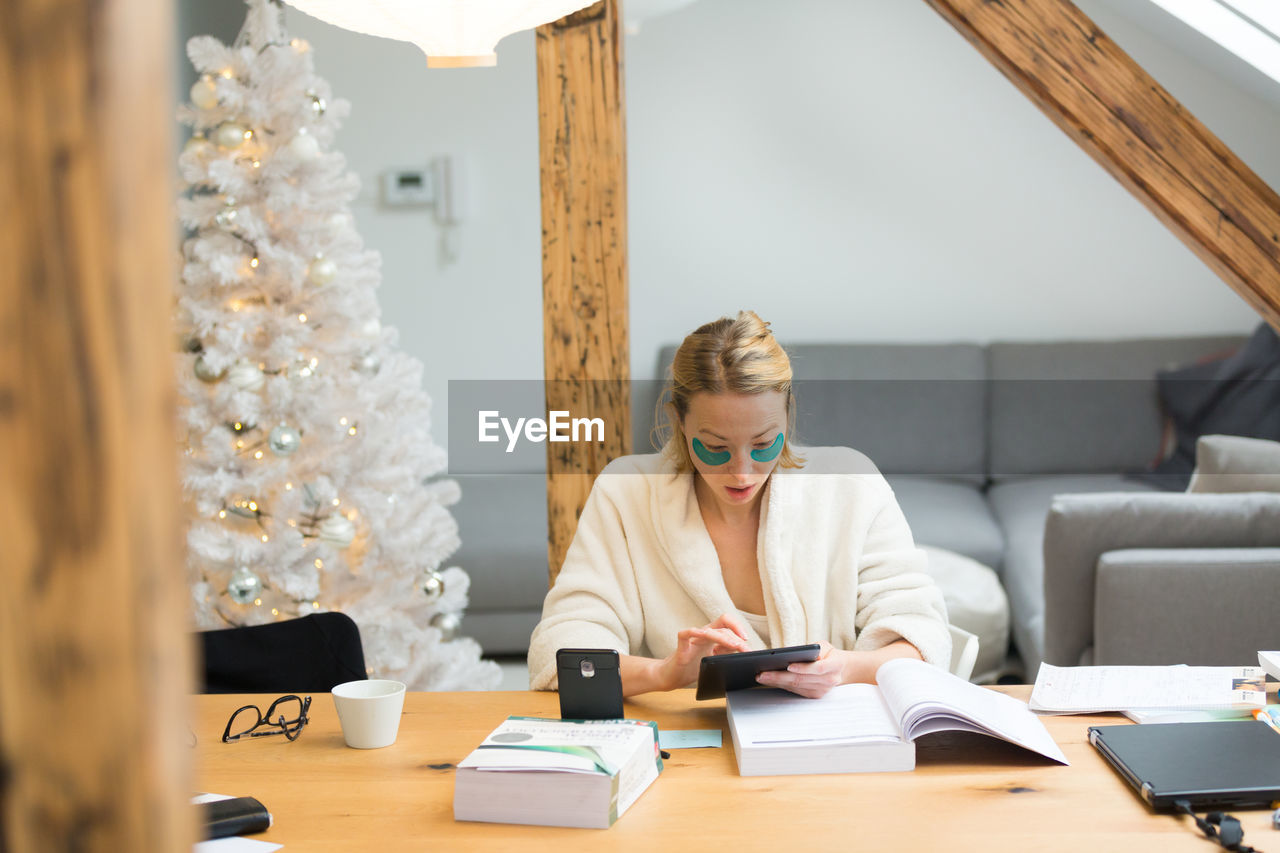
<point>94,661</point>
<point>1138,132</point>
<point>582,144</point>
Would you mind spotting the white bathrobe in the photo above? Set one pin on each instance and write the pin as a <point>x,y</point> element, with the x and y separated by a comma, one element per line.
<point>837,563</point>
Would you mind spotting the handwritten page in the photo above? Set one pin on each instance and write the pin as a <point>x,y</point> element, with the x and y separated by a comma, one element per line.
<point>1089,689</point>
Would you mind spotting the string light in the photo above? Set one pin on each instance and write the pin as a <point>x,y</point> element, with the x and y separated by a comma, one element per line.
<point>254,262</point>
<point>336,501</point>
<point>248,134</point>
<point>315,605</point>
<point>351,431</point>
<point>288,487</point>
<point>264,537</point>
<point>222,513</point>
<point>238,426</point>
<point>257,164</point>
<point>293,523</point>
<point>225,73</point>
<point>253,506</point>
<point>319,563</point>
<point>257,455</point>
<point>275,612</point>
<point>257,602</point>
<point>343,421</point>
<point>302,318</point>
<point>240,443</point>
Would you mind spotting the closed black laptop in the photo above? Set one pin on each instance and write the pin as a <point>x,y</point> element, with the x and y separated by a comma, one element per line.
<point>1219,765</point>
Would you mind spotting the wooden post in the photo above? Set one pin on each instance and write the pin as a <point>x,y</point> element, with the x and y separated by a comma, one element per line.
<point>94,659</point>
<point>1138,132</point>
<point>582,140</point>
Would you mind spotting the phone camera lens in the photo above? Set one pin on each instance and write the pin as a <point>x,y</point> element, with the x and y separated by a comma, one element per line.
<point>588,668</point>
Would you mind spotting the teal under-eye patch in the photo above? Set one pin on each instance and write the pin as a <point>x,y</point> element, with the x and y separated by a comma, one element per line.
<point>717,458</point>
<point>770,453</point>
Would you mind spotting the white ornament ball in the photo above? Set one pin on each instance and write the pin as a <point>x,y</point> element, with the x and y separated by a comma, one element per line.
<point>198,144</point>
<point>448,624</point>
<point>371,328</point>
<point>205,373</point>
<point>246,376</point>
<point>244,586</point>
<point>204,94</point>
<point>369,363</point>
<point>322,271</point>
<point>337,531</point>
<point>229,135</point>
<point>304,146</point>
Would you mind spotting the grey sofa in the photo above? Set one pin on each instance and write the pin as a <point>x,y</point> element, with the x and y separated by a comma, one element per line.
<point>977,440</point>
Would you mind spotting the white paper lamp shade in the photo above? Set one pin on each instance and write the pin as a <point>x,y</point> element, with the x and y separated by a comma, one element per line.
<point>452,33</point>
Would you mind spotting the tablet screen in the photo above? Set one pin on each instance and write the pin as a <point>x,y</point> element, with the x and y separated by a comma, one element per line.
<point>719,674</point>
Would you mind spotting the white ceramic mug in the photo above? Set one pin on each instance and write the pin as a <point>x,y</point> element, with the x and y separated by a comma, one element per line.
<point>369,712</point>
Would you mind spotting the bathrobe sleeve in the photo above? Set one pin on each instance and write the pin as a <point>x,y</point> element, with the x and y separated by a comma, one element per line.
<point>594,602</point>
<point>896,597</point>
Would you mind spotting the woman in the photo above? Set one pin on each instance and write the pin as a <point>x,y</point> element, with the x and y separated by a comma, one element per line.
<point>731,539</point>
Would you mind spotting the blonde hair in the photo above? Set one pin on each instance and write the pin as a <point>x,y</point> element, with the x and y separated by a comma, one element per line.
<point>734,356</point>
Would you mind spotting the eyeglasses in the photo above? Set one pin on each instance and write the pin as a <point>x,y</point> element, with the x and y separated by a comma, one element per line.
<point>286,716</point>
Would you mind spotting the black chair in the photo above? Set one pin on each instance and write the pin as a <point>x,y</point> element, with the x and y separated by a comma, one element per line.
<point>306,655</point>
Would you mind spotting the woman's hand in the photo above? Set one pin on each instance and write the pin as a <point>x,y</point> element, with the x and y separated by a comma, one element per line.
<point>726,634</point>
<point>835,666</point>
<point>811,680</point>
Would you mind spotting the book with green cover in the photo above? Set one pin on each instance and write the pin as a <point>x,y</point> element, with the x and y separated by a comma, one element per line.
<point>584,773</point>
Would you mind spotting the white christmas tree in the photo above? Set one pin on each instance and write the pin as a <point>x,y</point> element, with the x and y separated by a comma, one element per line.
<point>309,460</point>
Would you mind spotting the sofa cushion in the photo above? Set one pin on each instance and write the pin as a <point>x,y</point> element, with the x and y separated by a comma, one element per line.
<point>1160,606</point>
<point>1232,463</point>
<point>975,602</point>
<point>1082,407</point>
<point>950,514</point>
<point>1020,506</point>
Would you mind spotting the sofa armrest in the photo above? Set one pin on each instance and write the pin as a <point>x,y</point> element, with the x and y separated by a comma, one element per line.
<point>1199,606</point>
<point>1081,528</point>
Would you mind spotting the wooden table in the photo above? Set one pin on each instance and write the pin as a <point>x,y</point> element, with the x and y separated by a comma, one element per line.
<point>967,792</point>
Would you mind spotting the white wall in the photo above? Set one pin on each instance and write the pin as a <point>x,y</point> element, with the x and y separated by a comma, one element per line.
<point>851,169</point>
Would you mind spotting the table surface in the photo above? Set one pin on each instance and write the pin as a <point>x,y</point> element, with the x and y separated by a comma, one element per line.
<point>967,792</point>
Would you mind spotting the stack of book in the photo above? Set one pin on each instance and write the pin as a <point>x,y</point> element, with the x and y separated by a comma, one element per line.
<point>557,772</point>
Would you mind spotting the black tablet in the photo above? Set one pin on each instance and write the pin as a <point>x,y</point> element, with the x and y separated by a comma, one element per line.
<point>719,674</point>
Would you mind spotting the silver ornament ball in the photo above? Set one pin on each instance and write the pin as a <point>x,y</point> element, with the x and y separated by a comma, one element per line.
<point>433,586</point>
<point>244,586</point>
<point>448,624</point>
<point>317,104</point>
<point>226,218</point>
<point>284,440</point>
<point>369,363</point>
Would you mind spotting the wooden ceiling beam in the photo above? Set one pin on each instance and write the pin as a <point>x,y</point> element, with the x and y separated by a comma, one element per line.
<point>1138,132</point>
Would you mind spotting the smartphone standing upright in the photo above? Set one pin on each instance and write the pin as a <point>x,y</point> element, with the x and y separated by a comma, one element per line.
<point>590,684</point>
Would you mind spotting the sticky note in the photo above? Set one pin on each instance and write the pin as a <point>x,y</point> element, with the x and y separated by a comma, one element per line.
<point>689,738</point>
